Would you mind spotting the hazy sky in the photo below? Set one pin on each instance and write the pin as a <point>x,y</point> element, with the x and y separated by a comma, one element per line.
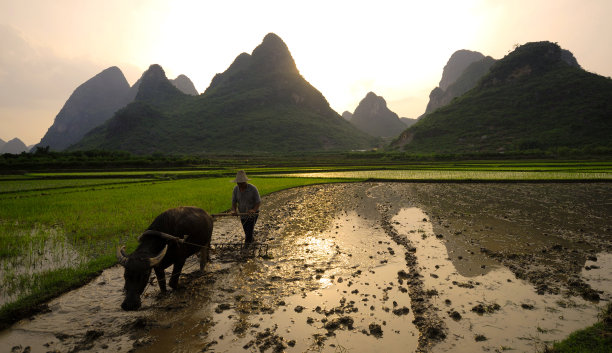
<point>345,49</point>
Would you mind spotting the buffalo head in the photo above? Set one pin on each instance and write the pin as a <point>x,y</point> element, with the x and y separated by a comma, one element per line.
<point>136,275</point>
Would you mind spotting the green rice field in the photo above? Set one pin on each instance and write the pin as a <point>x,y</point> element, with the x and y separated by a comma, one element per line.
<point>457,175</point>
<point>16,186</point>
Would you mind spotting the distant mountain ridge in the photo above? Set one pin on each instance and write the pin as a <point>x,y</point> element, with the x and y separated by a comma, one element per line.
<point>465,82</point>
<point>373,117</point>
<point>155,88</point>
<point>261,103</point>
<point>184,84</point>
<point>347,115</point>
<point>14,146</point>
<point>94,102</point>
<point>460,74</point>
<point>455,66</point>
<point>537,98</point>
<point>91,104</point>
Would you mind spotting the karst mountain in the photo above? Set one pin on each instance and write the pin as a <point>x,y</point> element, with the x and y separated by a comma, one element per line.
<point>261,103</point>
<point>536,99</point>
<point>93,103</point>
<point>373,117</point>
<point>14,146</point>
<point>90,105</point>
<point>460,74</point>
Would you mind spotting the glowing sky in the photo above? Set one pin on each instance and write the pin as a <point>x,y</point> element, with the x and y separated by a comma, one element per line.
<point>345,49</point>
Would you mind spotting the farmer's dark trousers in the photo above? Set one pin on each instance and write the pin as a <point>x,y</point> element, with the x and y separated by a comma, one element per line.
<point>248,224</point>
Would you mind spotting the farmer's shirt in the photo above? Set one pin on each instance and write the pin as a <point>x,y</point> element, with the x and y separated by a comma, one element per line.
<point>246,199</point>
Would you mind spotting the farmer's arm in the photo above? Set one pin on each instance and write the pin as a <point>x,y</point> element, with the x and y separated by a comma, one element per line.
<point>255,208</point>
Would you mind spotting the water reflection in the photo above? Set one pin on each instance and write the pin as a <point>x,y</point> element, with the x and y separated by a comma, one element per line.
<point>499,309</point>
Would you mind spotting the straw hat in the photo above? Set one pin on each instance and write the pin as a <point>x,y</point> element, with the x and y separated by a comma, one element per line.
<point>241,177</point>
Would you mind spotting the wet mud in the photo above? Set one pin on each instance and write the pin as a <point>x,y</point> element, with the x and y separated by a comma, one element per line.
<point>395,267</point>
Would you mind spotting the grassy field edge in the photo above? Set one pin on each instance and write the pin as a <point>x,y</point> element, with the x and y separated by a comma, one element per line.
<point>593,339</point>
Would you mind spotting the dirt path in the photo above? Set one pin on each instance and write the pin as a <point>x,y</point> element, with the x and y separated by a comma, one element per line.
<point>404,267</point>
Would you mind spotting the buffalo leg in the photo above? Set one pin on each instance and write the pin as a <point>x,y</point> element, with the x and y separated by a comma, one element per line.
<point>161,278</point>
<point>176,273</point>
<point>204,257</point>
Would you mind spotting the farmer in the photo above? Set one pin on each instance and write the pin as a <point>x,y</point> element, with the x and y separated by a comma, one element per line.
<point>246,200</point>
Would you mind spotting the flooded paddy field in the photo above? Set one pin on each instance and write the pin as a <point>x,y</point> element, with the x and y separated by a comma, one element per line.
<point>395,267</point>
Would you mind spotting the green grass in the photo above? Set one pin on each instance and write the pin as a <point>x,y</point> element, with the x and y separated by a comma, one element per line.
<point>92,222</point>
<point>176,173</point>
<point>15,186</point>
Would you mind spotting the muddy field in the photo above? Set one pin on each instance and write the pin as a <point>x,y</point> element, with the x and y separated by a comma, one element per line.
<point>395,267</point>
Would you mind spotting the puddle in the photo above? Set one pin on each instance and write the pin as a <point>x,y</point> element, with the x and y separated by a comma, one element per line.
<point>493,310</point>
<point>357,305</point>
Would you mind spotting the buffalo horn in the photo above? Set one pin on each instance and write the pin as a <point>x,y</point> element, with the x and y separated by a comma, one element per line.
<point>154,261</point>
<point>121,256</point>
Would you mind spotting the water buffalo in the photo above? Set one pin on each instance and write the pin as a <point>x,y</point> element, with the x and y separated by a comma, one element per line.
<point>158,249</point>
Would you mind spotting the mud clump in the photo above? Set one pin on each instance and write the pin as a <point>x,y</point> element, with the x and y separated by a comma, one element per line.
<point>375,330</point>
<point>435,333</point>
<point>455,315</point>
<point>579,287</point>
<point>480,338</point>
<point>468,285</point>
<point>222,307</point>
<point>486,309</point>
<point>401,311</point>
<point>241,327</point>
<point>341,322</point>
<point>269,339</point>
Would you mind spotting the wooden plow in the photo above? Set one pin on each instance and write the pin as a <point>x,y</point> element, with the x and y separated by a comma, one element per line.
<point>227,251</point>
